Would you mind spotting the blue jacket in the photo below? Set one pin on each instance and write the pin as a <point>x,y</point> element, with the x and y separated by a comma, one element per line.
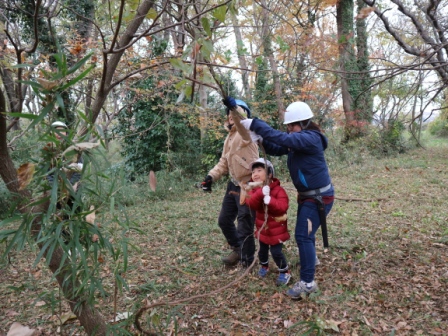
<point>305,149</point>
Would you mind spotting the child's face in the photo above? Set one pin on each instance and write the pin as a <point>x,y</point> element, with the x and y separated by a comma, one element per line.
<point>258,174</point>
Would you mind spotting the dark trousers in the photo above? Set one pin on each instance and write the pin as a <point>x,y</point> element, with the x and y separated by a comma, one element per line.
<point>277,255</point>
<point>241,235</point>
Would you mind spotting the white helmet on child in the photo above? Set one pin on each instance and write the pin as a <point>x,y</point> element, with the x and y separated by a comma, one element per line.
<point>267,164</point>
<point>57,124</point>
<point>297,111</point>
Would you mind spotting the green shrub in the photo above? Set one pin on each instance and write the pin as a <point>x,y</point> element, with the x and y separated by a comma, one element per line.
<point>439,127</point>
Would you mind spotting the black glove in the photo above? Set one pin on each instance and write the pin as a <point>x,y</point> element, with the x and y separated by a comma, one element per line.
<point>207,184</point>
<point>229,102</point>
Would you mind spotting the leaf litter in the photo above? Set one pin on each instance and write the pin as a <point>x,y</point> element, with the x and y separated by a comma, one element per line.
<point>386,271</point>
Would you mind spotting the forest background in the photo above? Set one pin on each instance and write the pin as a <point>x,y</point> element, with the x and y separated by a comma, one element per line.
<point>143,81</point>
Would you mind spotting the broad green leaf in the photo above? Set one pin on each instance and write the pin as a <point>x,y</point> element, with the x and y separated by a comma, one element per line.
<point>60,101</point>
<point>152,14</point>
<point>179,85</point>
<point>22,115</point>
<point>61,61</point>
<point>77,78</point>
<point>207,48</point>
<point>33,84</point>
<point>133,4</point>
<point>178,64</point>
<point>220,13</point>
<point>41,253</point>
<point>9,220</point>
<point>6,233</point>
<point>39,201</point>
<point>188,91</point>
<point>43,113</point>
<point>206,26</point>
<point>23,65</point>
<point>79,64</point>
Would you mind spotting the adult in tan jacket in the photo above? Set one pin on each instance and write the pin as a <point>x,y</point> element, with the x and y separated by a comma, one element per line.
<point>239,151</point>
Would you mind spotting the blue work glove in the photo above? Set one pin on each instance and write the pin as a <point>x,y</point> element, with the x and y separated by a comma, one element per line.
<point>229,102</point>
<point>207,184</point>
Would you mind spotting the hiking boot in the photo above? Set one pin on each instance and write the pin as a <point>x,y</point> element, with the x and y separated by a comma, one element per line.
<point>283,279</point>
<point>263,272</point>
<point>301,289</point>
<point>233,258</point>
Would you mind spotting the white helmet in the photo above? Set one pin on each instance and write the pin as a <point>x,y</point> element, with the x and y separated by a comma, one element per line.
<point>297,111</point>
<point>57,124</point>
<point>264,163</point>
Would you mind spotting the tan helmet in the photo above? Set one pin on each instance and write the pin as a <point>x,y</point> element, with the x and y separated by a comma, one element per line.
<point>58,124</point>
<point>297,111</point>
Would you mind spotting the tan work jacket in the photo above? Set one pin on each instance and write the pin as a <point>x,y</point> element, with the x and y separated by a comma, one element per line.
<point>237,155</point>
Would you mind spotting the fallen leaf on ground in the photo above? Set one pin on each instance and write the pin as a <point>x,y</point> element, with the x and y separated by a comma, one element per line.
<point>19,330</point>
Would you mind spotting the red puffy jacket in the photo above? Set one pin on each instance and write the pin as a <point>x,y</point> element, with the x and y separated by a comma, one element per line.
<point>273,232</point>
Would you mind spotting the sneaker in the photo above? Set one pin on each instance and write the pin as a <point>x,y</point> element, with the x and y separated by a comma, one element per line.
<point>263,272</point>
<point>283,279</point>
<point>300,288</point>
<point>233,258</point>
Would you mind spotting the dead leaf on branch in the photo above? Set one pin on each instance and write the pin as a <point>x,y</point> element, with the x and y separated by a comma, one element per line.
<point>46,84</point>
<point>25,174</point>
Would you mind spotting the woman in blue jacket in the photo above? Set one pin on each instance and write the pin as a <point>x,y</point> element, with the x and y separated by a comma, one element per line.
<point>304,144</point>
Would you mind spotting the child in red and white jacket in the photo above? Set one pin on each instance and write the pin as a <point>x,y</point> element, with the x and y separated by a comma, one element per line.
<point>274,232</point>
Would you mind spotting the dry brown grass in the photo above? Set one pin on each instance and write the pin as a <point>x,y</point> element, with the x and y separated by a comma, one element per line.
<point>385,273</point>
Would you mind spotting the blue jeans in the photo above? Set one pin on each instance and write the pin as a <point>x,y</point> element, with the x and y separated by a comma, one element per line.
<point>277,255</point>
<point>305,241</point>
<point>243,234</point>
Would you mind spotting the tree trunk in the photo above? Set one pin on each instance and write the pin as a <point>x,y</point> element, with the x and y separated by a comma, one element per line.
<point>7,169</point>
<point>92,321</point>
<point>364,100</point>
<point>344,20</point>
<point>202,90</point>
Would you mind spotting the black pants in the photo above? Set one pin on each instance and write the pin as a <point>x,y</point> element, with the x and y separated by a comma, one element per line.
<point>277,255</point>
<point>243,234</point>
